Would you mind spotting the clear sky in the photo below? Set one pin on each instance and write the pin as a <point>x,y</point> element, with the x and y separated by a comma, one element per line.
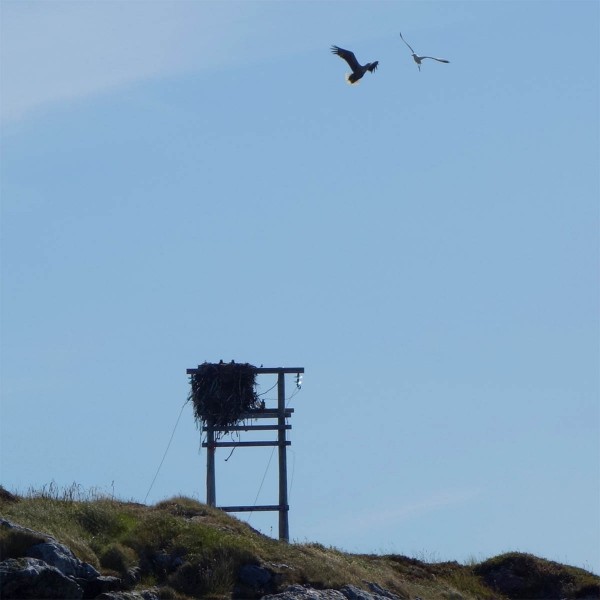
<point>193,181</point>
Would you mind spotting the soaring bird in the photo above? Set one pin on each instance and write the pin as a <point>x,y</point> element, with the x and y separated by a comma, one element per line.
<point>418,58</point>
<point>358,70</point>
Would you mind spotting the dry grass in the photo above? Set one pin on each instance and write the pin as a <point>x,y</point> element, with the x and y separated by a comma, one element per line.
<point>211,546</point>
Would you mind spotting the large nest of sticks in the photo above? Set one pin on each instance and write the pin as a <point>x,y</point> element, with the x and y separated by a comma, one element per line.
<point>223,392</point>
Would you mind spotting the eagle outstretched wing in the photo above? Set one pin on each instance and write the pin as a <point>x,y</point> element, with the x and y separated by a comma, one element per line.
<point>348,56</point>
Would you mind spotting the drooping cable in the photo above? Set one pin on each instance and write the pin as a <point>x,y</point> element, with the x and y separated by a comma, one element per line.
<point>298,388</point>
<point>165,454</point>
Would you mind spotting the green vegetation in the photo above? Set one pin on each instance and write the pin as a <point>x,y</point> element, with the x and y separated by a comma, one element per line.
<point>527,577</point>
<point>190,550</point>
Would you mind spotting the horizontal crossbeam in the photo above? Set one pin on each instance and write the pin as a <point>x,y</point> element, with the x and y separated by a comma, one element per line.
<point>264,370</point>
<point>242,444</point>
<point>277,370</point>
<point>250,428</point>
<point>254,508</point>
<point>265,413</point>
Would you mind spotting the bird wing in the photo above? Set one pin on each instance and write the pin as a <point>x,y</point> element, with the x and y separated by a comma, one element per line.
<point>406,43</point>
<point>438,59</point>
<point>347,56</point>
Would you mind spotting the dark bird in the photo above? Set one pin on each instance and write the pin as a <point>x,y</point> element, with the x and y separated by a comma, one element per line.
<point>358,70</point>
<point>418,58</point>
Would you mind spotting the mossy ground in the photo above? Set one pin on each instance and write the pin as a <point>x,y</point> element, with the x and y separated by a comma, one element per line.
<point>210,547</point>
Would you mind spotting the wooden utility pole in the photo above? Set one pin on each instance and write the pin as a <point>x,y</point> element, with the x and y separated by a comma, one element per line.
<point>281,414</point>
<point>284,527</point>
<point>211,492</point>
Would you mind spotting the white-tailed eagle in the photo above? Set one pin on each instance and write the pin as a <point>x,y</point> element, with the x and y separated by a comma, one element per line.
<point>358,70</point>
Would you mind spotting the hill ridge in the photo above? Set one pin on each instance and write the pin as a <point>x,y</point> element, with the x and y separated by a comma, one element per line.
<point>182,549</point>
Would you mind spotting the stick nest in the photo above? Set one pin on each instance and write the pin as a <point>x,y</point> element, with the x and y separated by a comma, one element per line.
<point>223,392</point>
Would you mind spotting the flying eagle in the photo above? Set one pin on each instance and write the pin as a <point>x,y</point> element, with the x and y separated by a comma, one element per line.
<point>358,70</point>
<point>418,58</point>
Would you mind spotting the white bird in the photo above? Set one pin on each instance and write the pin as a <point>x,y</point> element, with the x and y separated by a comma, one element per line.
<point>418,58</point>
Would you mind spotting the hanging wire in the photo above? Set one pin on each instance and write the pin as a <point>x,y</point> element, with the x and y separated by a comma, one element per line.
<point>267,391</point>
<point>298,388</point>
<point>262,482</point>
<point>231,433</point>
<point>167,449</point>
<point>293,471</point>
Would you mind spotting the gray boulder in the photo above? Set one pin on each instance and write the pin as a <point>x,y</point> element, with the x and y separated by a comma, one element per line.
<point>348,592</point>
<point>300,592</point>
<point>31,578</point>
<point>49,560</point>
<point>100,585</point>
<point>378,590</point>
<point>33,537</point>
<point>255,576</point>
<point>351,592</point>
<point>142,595</point>
<point>44,547</point>
<point>61,557</point>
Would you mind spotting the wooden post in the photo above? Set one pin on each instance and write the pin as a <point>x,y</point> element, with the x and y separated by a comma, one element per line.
<point>211,493</point>
<point>284,530</point>
<point>281,413</point>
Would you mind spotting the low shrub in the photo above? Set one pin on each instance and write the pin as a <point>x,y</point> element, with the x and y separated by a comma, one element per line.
<point>213,572</point>
<point>118,557</point>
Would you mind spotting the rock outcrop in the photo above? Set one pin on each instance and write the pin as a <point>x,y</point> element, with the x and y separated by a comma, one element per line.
<point>33,578</point>
<point>35,565</point>
<point>348,592</point>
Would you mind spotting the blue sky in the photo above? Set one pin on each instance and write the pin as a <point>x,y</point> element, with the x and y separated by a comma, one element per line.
<point>193,181</point>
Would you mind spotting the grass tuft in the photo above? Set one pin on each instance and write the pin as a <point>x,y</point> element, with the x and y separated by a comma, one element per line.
<point>118,557</point>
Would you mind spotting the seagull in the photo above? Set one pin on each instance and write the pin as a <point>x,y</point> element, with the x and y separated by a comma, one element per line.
<point>358,70</point>
<point>418,58</point>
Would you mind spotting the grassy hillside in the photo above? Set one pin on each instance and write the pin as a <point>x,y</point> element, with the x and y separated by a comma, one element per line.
<point>190,550</point>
